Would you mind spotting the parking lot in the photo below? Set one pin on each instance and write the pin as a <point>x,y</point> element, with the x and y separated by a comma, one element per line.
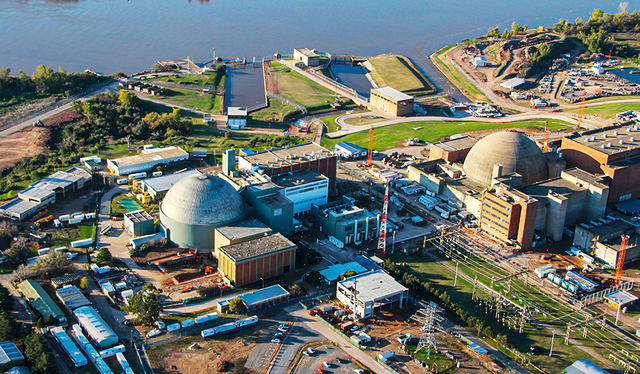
<point>337,360</point>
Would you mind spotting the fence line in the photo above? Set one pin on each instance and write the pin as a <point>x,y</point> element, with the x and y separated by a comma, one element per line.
<point>298,107</point>
<point>6,125</point>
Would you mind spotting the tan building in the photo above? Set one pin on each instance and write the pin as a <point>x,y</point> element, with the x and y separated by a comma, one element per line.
<point>391,101</point>
<point>452,150</point>
<point>239,232</point>
<point>508,215</point>
<point>306,56</point>
<point>249,261</point>
<point>615,152</point>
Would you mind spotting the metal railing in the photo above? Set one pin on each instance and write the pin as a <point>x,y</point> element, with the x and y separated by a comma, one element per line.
<point>595,297</point>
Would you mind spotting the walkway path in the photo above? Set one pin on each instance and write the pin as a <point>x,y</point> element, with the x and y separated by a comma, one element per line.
<point>350,129</point>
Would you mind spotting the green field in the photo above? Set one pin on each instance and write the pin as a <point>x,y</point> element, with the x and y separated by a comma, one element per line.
<point>64,236</point>
<point>271,116</point>
<point>212,79</point>
<point>400,73</point>
<point>365,120</point>
<point>431,131</point>
<point>467,87</point>
<point>607,111</point>
<point>306,92</point>
<point>208,103</point>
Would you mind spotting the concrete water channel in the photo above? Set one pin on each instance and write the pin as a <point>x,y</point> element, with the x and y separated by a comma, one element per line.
<point>245,87</point>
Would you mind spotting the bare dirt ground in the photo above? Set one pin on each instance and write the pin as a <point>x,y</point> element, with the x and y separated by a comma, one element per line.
<point>32,140</point>
<point>177,358</point>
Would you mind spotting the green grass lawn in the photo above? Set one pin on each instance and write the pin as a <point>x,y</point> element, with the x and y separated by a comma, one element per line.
<point>365,120</point>
<point>400,73</point>
<point>467,87</point>
<point>304,91</point>
<point>271,116</point>
<point>607,111</point>
<point>387,136</point>
<point>62,237</point>
<point>212,79</point>
<point>117,210</point>
<point>208,103</point>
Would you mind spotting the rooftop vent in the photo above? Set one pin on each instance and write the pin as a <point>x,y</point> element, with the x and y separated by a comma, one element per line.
<point>604,135</point>
<point>609,145</point>
<point>615,132</point>
<point>621,141</point>
<point>603,146</point>
<point>632,139</point>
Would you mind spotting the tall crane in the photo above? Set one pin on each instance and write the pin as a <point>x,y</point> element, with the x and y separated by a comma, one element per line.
<point>584,97</point>
<point>546,136</point>
<point>370,155</point>
<point>621,255</point>
<point>382,236</point>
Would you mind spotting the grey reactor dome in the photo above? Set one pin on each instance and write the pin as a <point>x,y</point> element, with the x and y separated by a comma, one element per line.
<point>196,205</point>
<point>515,152</point>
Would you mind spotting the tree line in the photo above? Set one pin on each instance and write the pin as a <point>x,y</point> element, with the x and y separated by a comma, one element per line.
<point>35,350</point>
<point>597,32</point>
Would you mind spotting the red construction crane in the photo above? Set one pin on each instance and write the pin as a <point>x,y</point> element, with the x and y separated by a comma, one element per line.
<point>382,236</point>
<point>546,136</point>
<point>584,97</point>
<point>621,254</point>
<point>370,155</point>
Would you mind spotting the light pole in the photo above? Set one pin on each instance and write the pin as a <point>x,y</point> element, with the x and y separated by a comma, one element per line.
<point>552,338</point>
<point>455,282</point>
<point>262,279</point>
<point>393,243</point>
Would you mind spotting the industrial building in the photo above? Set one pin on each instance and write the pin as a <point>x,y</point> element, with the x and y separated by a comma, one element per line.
<point>40,300</point>
<point>514,189</point>
<point>10,356</point>
<point>391,101</point>
<point>157,187</point>
<point>303,188</point>
<point>613,152</point>
<point>196,205</point>
<point>98,330</point>
<point>44,192</point>
<point>350,151</point>
<point>148,158</point>
<point>275,210</point>
<point>332,273</point>
<point>513,83</point>
<point>603,239</point>
<point>621,298</point>
<point>69,346</point>
<point>258,299</point>
<point>72,297</point>
<point>306,56</point>
<point>91,162</point>
<point>347,222</point>
<point>280,161</point>
<point>138,223</point>
<point>452,150</point>
<point>241,231</point>
<point>249,261</point>
<point>366,292</point>
<point>237,118</point>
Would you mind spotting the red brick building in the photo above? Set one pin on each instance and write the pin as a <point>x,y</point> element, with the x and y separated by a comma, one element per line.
<point>248,261</point>
<point>453,150</point>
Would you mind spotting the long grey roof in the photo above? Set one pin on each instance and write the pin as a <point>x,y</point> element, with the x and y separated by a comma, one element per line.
<point>256,247</point>
<point>165,182</point>
<point>392,93</point>
<point>244,229</point>
<point>9,352</point>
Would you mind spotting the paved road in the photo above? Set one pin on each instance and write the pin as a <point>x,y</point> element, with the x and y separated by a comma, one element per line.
<point>350,129</point>
<point>113,87</point>
<point>304,320</point>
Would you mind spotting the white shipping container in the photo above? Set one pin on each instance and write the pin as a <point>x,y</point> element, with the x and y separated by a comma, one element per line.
<point>247,321</point>
<point>60,249</point>
<point>64,218</point>
<point>74,221</point>
<point>206,317</point>
<point>43,251</point>
<point>82,243</point>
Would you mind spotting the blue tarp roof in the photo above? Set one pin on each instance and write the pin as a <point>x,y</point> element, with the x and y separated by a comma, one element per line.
<point>9,352</point>
<point>351,147</point>
<point>479,350</point>
<point>367,263</point>
<point>334,272</point>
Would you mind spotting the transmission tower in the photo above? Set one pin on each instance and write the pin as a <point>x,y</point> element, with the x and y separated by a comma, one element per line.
<point>621,256</point>
<point>382,236</point>
<point>370,155</point>
<point>428,316</point>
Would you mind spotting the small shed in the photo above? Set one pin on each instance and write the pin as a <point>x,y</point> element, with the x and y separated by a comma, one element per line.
<point>479,62</point>
<point>620,299</point>
<point>237,118</point>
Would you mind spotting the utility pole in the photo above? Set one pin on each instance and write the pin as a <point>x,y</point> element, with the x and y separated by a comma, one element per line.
<point>455,282</point>
<point>524,318</point>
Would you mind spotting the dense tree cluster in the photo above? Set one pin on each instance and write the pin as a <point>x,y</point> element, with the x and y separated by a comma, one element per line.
<point>597,32</point>
<point>44,82</point>
<point>274,141</point>
<point>35,350</point>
